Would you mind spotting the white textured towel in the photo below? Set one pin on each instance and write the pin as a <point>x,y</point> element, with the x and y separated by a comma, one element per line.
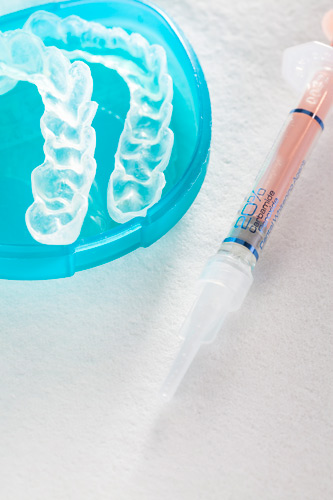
<point>81,359</point>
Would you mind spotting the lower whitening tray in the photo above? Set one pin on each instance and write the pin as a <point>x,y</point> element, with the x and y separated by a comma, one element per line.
<point>21,149</point>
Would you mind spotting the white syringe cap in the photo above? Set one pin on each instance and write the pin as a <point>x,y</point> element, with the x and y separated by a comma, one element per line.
<point>299,63</point>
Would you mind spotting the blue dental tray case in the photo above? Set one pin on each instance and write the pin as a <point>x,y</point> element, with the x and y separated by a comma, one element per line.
<point>21,148</point>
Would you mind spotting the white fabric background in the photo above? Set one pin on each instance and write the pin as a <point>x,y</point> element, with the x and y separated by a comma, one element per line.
<point>82,359</point>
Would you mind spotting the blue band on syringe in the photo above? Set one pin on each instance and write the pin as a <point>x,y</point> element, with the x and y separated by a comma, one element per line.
<point>244,244</point>
<point>309,113</point>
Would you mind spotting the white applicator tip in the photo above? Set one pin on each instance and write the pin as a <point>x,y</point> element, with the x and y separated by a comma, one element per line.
<point>201,326</point>
<point>225,283</point>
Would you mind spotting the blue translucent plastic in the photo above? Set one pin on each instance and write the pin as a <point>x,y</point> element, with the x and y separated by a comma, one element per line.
<point>21,109</point>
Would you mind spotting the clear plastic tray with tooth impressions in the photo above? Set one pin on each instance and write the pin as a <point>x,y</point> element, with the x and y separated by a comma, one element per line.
<point>150,165</point>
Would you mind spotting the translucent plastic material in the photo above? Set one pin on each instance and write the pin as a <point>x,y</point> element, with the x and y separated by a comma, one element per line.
<point>62,183</point>
<point>300,63</point>
<point>21,148</point>
<point>146,142</point>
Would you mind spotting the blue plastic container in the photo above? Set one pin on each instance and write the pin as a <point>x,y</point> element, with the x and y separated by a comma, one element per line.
<point>21,149</point>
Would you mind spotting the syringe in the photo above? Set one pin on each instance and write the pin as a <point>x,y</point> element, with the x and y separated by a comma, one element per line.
<point>227,277</point>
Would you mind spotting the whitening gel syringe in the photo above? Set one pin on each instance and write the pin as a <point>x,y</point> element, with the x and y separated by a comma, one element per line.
<point>227,276</point>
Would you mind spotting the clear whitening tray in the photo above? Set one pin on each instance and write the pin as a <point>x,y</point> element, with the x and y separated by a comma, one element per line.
<point>146,142</point>
<point>151,130</point>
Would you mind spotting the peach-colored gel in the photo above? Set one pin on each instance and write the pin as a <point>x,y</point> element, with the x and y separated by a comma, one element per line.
<point>327,25</point>
<point>282,167</point>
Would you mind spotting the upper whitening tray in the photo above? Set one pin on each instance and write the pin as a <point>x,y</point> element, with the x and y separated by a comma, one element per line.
<point>146,141</point>
<point>102,239</point>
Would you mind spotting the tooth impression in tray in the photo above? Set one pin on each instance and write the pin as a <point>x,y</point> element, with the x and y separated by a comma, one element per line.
<point>146,142</point>
<point>62,183</point>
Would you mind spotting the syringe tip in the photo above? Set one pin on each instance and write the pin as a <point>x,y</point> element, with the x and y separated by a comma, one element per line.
<point>327,25</point>
<point>223,286</point>
<point>201,326</point>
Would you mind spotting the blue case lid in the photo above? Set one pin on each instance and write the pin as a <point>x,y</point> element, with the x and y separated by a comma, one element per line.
<point>20,256</point>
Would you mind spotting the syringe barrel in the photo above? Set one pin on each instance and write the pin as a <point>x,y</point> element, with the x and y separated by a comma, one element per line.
<point>263,205</point>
